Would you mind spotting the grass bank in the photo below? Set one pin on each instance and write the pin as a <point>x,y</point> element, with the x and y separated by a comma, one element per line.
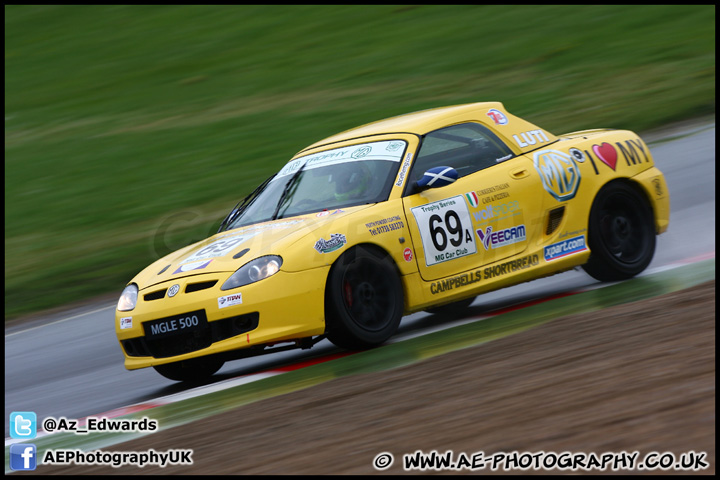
<point>131,130</point>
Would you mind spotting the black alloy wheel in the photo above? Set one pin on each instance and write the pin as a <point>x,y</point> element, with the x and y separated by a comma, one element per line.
<point>363,300</point>
<point>621,233</point>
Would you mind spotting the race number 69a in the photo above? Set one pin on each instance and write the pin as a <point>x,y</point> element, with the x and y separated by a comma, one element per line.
<point>445,229</point>
<point>220,247</point>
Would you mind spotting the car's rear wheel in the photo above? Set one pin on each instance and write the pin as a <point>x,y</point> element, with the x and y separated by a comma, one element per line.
<point>455,308</point>
<point>194,370</point>
<point>621,233</point>
<point>363,299</point>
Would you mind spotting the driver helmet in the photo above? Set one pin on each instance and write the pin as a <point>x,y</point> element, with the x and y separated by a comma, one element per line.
<point>351,181</point>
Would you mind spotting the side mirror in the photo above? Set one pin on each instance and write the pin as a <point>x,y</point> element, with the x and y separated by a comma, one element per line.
<point>436,177</point>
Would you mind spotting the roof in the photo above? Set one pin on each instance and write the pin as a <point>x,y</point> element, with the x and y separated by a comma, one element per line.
<point>418,123</point>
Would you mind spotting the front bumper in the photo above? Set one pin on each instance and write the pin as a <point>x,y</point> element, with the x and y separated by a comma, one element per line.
<point>284,307</point>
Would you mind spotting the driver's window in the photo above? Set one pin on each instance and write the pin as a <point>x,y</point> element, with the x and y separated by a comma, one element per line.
<point>467,147</point>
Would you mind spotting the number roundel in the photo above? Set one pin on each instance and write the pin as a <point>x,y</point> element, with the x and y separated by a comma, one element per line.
<point>445,229</point>
<point>220,247</point>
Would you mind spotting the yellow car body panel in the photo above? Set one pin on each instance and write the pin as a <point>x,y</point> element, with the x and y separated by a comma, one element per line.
<point>303,290</point>
<point>653,182</point>
<point>522,215</point>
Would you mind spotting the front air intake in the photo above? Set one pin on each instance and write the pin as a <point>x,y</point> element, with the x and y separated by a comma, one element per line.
<point>195,287</point>
<point>156,295</point>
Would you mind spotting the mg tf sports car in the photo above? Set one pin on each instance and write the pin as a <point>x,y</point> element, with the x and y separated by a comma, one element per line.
<point>423,211</point>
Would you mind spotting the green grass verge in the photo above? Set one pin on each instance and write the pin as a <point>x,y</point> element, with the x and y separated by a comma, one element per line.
<point>131,130</point>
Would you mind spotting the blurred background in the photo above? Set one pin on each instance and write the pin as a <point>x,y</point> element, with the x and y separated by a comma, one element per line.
<point>131,131</point>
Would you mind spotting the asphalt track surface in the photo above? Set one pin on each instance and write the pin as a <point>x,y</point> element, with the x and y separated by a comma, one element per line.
<point>71,366</point>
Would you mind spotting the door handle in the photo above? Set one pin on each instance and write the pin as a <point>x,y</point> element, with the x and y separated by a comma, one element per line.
<point>519,173</point>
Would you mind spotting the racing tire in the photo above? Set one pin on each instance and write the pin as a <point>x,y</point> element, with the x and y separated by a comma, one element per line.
<point>363,299</point>
<point>621,233</point>
<point>193,370</point>
<point>455,308</point>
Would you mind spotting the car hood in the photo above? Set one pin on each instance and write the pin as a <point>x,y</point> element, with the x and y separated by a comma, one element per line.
<point>229,250</point>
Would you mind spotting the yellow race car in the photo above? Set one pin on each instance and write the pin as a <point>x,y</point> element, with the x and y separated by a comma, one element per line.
<point>417,212</point>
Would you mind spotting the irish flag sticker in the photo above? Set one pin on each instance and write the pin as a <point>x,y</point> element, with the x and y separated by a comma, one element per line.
<point>472,199</point>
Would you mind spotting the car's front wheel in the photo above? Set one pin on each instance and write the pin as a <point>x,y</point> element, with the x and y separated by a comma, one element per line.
<point>621,233</point>
<point>363,299</point>
<point>194,370</point>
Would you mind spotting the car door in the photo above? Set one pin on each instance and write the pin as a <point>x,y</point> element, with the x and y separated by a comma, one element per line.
<point>481,218</point>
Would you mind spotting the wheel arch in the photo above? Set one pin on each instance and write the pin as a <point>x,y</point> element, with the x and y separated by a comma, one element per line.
<point>632,183</point>
<point>359,324</point>
<point>382,253</point>
<point>614,255</point>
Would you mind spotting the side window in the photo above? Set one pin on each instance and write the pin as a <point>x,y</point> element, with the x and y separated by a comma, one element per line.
<point>468,148</point>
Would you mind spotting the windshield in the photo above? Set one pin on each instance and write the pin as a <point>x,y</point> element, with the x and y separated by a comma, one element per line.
<point>338,178</point>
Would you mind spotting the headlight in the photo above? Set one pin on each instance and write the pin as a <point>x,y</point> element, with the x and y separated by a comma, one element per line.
<point>253,271</point>
<point>128,299</point>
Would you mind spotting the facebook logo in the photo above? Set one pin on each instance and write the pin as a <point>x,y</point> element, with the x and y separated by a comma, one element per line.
<point>23,456</point>
<point>23,425</point>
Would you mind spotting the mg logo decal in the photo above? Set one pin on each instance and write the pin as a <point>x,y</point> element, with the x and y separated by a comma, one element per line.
<point>559,173</point>
<point>172,291</point>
